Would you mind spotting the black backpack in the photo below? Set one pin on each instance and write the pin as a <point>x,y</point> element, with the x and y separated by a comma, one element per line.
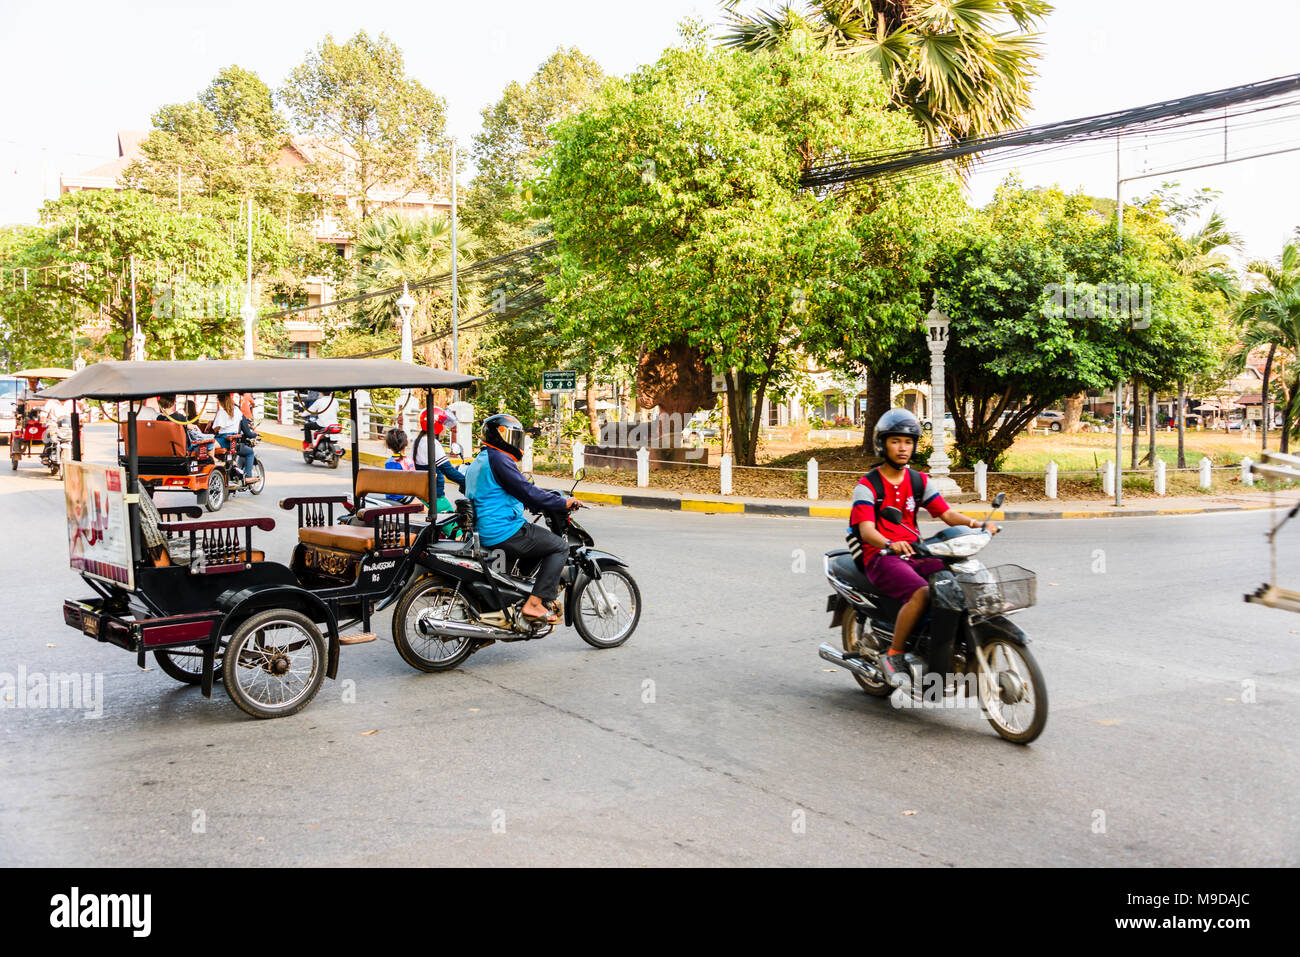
<point>878,487</point>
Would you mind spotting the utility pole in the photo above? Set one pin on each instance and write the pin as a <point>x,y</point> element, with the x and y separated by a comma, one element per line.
<point>1119,405</point>
<point>455,290</point>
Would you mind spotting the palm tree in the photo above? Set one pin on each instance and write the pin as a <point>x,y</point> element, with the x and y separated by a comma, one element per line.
<point>960,67</point>
<point>1203,258</point>
<point>1270,316</point>
<point>392,249</point>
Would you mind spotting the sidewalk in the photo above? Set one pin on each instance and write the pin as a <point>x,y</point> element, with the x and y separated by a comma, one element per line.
<point>373,453</point>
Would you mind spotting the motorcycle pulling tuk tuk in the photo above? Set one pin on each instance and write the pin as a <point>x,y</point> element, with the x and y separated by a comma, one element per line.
<point>198,594</point>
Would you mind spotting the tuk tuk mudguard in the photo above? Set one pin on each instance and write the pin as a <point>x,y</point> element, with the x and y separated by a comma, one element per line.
<point>255,598</point>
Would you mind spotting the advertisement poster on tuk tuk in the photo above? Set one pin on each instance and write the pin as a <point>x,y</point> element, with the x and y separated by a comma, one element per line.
<point>99,534</point>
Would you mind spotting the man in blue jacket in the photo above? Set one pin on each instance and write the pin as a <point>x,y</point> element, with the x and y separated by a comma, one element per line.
<point>500,493</point>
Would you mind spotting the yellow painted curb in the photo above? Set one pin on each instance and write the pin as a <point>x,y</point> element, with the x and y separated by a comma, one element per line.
<point>999,516</point>
<point>828,511</point>
<point>697,505</point>
<point>1178,511</point>
<point>1086,515</point>
<point>603,497</point>
<point>284,441</point>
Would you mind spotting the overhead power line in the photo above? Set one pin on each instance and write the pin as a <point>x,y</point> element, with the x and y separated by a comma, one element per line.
<point>1162,115</point>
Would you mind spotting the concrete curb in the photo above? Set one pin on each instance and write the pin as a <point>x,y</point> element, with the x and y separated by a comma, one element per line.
<point>841,513</point>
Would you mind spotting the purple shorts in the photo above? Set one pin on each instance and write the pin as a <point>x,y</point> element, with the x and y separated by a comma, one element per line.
<point>898,577</point>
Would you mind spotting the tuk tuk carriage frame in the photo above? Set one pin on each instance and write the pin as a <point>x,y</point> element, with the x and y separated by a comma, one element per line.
<point>199,591</point>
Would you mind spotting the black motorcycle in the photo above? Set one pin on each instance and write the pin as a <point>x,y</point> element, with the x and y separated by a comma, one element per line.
<point>965,643</point>
<point>58,440</point>
<point>466,596</point>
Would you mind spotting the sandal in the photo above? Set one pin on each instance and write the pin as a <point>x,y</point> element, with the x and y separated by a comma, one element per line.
<point>549,618</point>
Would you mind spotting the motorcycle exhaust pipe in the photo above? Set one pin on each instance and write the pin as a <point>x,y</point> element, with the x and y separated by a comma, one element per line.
<point>858,666</point>
<point>441,628</point>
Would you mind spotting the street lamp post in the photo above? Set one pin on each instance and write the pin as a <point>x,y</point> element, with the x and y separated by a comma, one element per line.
<point>405,307</point>
<point>937,328</point>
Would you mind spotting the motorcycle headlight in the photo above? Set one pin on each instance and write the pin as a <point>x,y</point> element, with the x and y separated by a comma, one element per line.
<point>962,547</point>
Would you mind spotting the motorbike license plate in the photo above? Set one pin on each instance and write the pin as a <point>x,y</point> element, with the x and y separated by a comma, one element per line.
<point>90,625</point>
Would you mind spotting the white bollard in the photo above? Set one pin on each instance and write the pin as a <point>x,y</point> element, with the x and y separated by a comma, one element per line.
<point>578,450</point>
<point>982,481</point>
<point>1108,478</point>
<point>1050,481</point>
<point>1205,473</point>
<point>1160,476</point>
<point>526,462</point>
<point>286,408</point>
<point>1247,476</point>
<point>812,479</point>
<point>724,472</point>
<point>642,467</point>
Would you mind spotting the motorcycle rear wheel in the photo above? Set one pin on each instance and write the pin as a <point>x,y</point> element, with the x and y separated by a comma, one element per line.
<point>1017,687</point>
<point>851,638</point>
<point>437,599</point>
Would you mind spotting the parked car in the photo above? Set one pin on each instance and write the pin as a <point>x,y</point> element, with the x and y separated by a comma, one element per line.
<point>949,424</point>
<point>1050,419</point>
<point>699,428</point>
<point>10,390</point>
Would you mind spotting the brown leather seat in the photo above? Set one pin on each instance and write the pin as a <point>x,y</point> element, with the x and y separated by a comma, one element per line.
<point>392,482</point>
<point>351,538</point>
<point>156,439</point>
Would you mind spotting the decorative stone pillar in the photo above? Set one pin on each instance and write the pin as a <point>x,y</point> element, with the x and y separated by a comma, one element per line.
<point>937,328</point>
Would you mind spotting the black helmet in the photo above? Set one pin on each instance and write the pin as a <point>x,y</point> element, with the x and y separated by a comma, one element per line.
<point>895,422</point>
<point>504,432</point>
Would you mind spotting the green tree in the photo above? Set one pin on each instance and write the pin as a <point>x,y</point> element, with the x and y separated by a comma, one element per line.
<point>1269,317</point>
<point>954,67</point>
<point>391,128</point>
<point>1031,287</point>
<point>188,282</point>
<point>222,144</point>
<point>515,135</point>
<point>679,217</point>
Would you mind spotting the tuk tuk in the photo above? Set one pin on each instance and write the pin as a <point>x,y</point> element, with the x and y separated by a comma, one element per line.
<point>31,436</point>
<point>198,594</point>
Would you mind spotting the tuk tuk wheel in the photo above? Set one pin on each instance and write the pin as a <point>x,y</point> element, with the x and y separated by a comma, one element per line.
<point>215,495</point>
<point>274,664</point>
<point>185,664</point>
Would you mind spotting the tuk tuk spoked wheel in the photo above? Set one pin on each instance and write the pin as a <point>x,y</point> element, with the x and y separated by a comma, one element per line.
<point>185,664</point>
<point>215,495</point>
<point>274,664</point>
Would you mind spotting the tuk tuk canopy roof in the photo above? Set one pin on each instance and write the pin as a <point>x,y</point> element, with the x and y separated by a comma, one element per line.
<point>48,372</point>
<point>116,381</point>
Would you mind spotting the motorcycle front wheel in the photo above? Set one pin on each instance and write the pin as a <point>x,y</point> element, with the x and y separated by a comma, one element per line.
<point>853,640</point>
<point>1014,697</point>
<point>599,624</point>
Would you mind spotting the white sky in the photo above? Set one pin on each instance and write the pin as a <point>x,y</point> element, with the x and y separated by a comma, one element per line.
<point>74,73</point>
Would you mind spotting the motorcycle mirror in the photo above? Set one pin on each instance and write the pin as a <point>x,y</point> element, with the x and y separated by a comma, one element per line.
<point>578,478</point>
<point>999,499</point>
<point>892,514</point>
<point>457,450</point>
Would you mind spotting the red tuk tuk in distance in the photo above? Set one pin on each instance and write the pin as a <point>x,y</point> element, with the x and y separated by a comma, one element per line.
<point>198,594</point>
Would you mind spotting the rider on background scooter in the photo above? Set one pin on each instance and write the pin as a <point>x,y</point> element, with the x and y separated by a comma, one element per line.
<point>324,407</point>
<point>885,548</point>
<point>499,492</point>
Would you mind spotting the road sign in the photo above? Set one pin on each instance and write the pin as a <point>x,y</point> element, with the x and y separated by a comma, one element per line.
<point>559,381</point>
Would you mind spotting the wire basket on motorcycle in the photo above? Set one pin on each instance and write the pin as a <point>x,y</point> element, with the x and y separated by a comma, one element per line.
<point>998,590</point>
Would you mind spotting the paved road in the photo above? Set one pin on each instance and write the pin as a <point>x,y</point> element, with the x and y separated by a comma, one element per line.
<point>1152,666</point>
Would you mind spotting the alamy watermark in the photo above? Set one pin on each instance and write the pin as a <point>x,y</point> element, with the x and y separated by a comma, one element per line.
<point>70,691</point>
<point>1070,300</point>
